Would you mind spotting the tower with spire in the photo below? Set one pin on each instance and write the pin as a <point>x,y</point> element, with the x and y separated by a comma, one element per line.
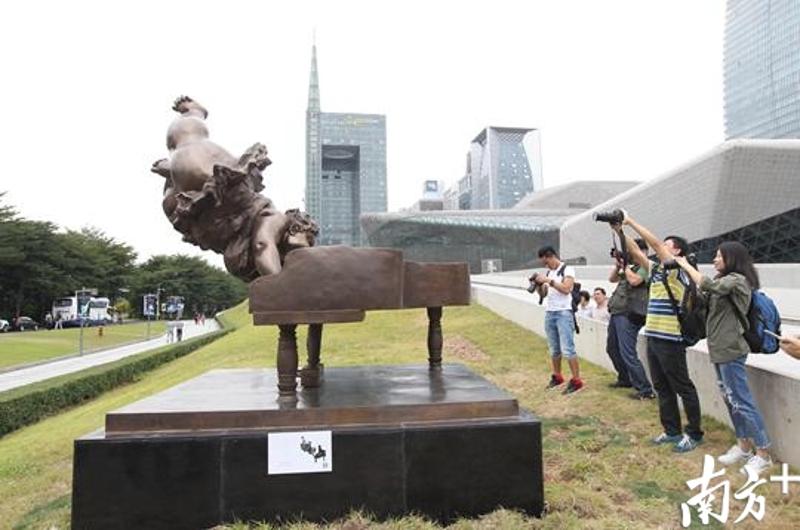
<point>313,146</point>
<point>345,167</point>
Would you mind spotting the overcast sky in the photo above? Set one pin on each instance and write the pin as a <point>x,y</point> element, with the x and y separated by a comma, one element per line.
<point>620,89</point>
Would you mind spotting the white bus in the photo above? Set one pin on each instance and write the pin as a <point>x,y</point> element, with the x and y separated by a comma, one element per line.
<point>94,311</point>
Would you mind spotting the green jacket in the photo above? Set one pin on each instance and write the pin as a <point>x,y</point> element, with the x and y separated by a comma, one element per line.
<point>725,340</point>
<point>621,298</point>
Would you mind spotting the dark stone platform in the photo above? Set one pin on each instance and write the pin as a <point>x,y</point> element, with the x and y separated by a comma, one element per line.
<point>404,439</point>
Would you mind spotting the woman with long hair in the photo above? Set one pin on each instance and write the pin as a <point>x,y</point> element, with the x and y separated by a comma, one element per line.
<point>728,295</point>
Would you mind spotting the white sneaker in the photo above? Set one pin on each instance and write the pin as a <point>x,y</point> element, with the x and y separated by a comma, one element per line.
<point>755,465</point>
<point>734,455</point>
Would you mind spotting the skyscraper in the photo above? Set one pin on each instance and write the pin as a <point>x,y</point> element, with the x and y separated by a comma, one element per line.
<point>345,167</point>
<point>762,69</point>
<point>503,165</point>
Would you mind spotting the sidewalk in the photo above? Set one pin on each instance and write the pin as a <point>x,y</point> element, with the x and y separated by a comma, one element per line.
<point>41,372</point>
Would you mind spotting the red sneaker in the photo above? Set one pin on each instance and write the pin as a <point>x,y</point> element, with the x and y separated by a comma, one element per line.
<point>573,386</point>
<point>555,380</point>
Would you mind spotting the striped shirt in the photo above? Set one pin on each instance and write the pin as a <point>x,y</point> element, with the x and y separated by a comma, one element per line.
<point>662,323</point>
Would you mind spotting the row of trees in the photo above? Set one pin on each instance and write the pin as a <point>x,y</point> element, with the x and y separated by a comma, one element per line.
<point>39,262</point>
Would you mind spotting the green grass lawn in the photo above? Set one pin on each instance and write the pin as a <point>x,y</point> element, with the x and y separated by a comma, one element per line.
<point>600,471</point>
<point>32,346</point>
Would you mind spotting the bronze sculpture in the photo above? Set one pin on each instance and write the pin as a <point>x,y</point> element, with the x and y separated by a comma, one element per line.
<point>213,199</point>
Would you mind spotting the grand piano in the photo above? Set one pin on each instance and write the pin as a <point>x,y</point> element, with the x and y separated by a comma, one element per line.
<point>326,285</point>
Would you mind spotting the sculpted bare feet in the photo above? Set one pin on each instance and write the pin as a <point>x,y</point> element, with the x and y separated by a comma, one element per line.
<point>161,167</point>
<point>255,157</point>
<point>186,105</point>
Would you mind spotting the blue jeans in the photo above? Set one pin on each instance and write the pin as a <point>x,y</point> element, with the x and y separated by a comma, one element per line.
<point>621,348</point>
<point>559,326</point>
<point>746,418</point>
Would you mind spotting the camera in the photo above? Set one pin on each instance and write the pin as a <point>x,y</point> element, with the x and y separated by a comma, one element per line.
<point>532,285</point>
<point>672,264</point>
<point>613,217</point>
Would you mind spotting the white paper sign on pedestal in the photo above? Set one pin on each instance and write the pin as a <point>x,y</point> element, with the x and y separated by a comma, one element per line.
<point>299,452</point>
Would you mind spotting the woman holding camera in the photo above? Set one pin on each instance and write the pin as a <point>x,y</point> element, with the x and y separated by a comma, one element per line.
<point>791,345</point>
<point>728,295</point>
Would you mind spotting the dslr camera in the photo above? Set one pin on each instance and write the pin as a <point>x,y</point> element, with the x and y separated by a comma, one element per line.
<point>532,282</point>
<point>532,286</point>
<point>613,217</point>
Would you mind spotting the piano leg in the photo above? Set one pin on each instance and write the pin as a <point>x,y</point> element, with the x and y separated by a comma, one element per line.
<point>435,337</point>
<point>287,361</point>
<point>310,374</point>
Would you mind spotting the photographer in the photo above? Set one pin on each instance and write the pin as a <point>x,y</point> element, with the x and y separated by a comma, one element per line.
<point>628,308</point>
<point>559,320</point>
<point>728,296</point>
<point>666,349</point>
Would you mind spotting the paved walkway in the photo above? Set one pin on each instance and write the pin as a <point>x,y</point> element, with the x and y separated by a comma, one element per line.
<point>40,372</point>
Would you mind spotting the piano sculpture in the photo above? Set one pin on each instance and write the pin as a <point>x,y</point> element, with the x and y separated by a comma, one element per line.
<point>338,284</point>
<point>214,200</point>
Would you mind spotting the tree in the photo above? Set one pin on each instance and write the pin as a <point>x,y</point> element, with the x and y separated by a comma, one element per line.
<point>39,264</point>
<point>29,264</point>
<point>94,260</point>
<point>203,287</point>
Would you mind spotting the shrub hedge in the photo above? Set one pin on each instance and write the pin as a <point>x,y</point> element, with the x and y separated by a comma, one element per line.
<point>20,407</point>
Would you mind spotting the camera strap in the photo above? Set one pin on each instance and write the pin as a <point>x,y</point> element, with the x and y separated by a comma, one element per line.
<point>623,251</point>
<point>665,281</point>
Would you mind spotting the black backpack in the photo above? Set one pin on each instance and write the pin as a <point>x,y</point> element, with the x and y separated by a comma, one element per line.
<point>691,312</point>
<point>576,296</point>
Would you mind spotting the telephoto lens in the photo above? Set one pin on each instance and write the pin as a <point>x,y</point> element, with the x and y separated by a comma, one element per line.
<point>613,217</point>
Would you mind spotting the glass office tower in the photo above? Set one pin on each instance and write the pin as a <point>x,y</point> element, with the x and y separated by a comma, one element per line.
<point>345,167</point>
<point>504,164</point>
<point>762,69</point>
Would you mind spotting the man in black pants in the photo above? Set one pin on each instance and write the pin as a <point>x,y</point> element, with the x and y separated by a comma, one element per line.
<point>666,349</point>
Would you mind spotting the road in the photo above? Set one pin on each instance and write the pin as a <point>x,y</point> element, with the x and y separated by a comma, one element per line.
<point>58,367</point>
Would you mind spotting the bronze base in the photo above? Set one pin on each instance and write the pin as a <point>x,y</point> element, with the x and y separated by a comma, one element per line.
<point>249,399</point>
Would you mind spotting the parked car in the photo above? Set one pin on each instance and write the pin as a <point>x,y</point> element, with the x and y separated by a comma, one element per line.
<point>25,323</point>
<point>4,326</point>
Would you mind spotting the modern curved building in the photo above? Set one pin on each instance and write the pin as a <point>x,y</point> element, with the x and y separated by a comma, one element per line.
<point>507,238</point>
<point>745,190</point>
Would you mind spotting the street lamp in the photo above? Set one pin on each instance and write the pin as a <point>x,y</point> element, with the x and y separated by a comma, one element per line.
<point>158,301</point>
<point>82,298</point>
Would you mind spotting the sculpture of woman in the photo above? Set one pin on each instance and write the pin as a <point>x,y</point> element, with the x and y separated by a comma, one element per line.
<point>213,199</point>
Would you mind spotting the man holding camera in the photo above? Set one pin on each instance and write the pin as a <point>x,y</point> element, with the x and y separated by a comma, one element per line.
<point>666,349</point>
<point>559,320</point>
<point>628,308</point>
